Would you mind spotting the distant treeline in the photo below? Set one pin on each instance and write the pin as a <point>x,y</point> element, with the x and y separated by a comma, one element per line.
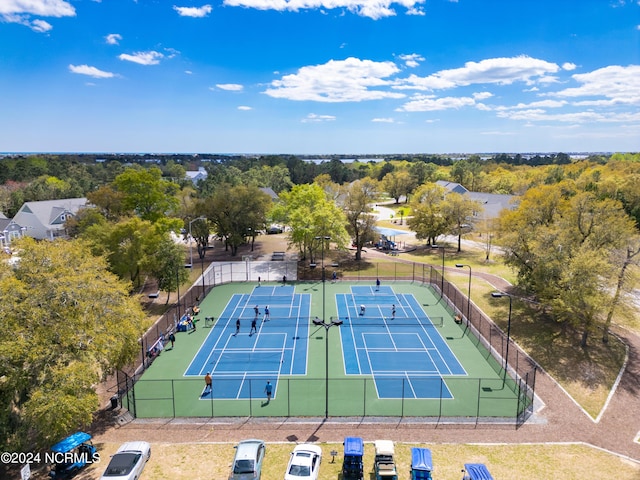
<point>27,167</point>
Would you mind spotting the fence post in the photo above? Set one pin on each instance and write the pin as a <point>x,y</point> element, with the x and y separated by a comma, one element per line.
<point>173,399</point>
<point>364,406</point>
<point>478,406</point>
<point>250,400</point>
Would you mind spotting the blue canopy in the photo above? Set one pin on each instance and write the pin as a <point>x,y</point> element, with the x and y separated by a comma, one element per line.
<point>353,446</point>
<point>421,459</point>
<point>477,471</point>
<point>71,442</point>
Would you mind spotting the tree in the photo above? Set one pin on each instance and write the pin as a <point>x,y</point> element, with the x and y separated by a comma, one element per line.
<point>108,200</point>
<point>167,265</point>
<point>582,291</point>
<point>356,203</point>
<point>237,212</point>
<point>562,243</point>
<point>427,219</point>
<point>126,245</point>
<point>459,211</point>
<point>310,214</point>
<point>397,184</point>
<point>71,322</point>
<point>276,177</point>
<point>146,193</point>
<point>621,262</point>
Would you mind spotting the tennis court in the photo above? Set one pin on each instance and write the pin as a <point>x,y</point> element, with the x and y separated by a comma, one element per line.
<point>277,346</point>
<point>414,362</point>
<point>391,337</point>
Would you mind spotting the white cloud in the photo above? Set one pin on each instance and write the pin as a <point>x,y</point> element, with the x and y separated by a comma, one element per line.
<point>350,80</point>
<point>431,103</point>
<point>188,72</point>
<point>498,133</point>
<point>315,118</point>
<point>374,9</point>
<point>383,120</point>
<point>501,71</point>
<point>40,26</point>
<point>244,107</point>
<point>412,60</point>
<point>482,95</point>
<point>41,8</point>
<point>90,71</point>
<point>618,84</point>
<point>113,38</point>
<point>569,66</point>
<point>541,115</point>
<point>143,58</point>
<point>539,104</point>
<point>195,12</point>
<point>232,87</point>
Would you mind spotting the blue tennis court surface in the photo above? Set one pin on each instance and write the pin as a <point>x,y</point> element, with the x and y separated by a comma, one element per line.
<point>278,346</point>
<point>390,337</point>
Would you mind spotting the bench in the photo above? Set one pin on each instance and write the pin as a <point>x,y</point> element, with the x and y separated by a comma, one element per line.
<point>277,256</point>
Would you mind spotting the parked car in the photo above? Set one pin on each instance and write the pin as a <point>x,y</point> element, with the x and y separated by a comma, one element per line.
<point>304,463</point>
<point>247,463</point>
<point>274,229</point>
<point>128,462</point>
<point>74,452</point>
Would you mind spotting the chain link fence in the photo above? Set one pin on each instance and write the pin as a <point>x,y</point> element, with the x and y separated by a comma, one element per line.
<point>486,335</point>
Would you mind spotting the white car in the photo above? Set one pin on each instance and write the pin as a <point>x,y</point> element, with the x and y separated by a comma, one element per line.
<point>304,463</point>
<point>128,462</point>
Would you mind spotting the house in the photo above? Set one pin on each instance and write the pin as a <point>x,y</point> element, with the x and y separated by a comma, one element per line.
<point>45,219</point>
<point>9,230</point>
<point>197,175</point>
<point>492,203</point>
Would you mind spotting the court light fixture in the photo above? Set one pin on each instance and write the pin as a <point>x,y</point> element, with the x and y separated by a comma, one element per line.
<point>461,265</point>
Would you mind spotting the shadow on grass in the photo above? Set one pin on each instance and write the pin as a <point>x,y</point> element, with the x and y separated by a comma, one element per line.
<point>583,372</point>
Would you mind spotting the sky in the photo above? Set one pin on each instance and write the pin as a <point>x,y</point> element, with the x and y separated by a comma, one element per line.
<point>320,76</point>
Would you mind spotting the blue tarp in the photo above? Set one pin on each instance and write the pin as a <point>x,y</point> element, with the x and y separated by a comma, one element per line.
<point>421,459</point>
<point>477,471</point>
<point>71,442</point>
<point>353,446</point>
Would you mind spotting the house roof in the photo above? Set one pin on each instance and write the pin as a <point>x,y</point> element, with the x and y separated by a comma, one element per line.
<point>452,187</point>
<point>46,216</point>
<point>269,191</point>
<point>492,203</point>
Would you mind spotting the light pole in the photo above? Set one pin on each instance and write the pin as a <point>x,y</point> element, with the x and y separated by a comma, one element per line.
<point>506,357</point>
<point>460,265</point>
<point>191,241</point>
<point>323,239</point>
<point>327,326</point>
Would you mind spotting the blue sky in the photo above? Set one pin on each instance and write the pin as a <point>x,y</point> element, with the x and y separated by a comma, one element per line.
<point>319,76</point>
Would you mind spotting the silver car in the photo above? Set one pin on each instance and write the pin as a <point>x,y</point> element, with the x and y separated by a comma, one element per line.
<point>247,463</point>
<point>128,462</point>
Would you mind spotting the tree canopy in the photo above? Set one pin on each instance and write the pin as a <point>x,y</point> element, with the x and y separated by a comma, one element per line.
<point>67,322</point>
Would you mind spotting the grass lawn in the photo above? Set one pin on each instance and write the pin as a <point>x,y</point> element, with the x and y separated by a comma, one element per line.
<point>587,374</point>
